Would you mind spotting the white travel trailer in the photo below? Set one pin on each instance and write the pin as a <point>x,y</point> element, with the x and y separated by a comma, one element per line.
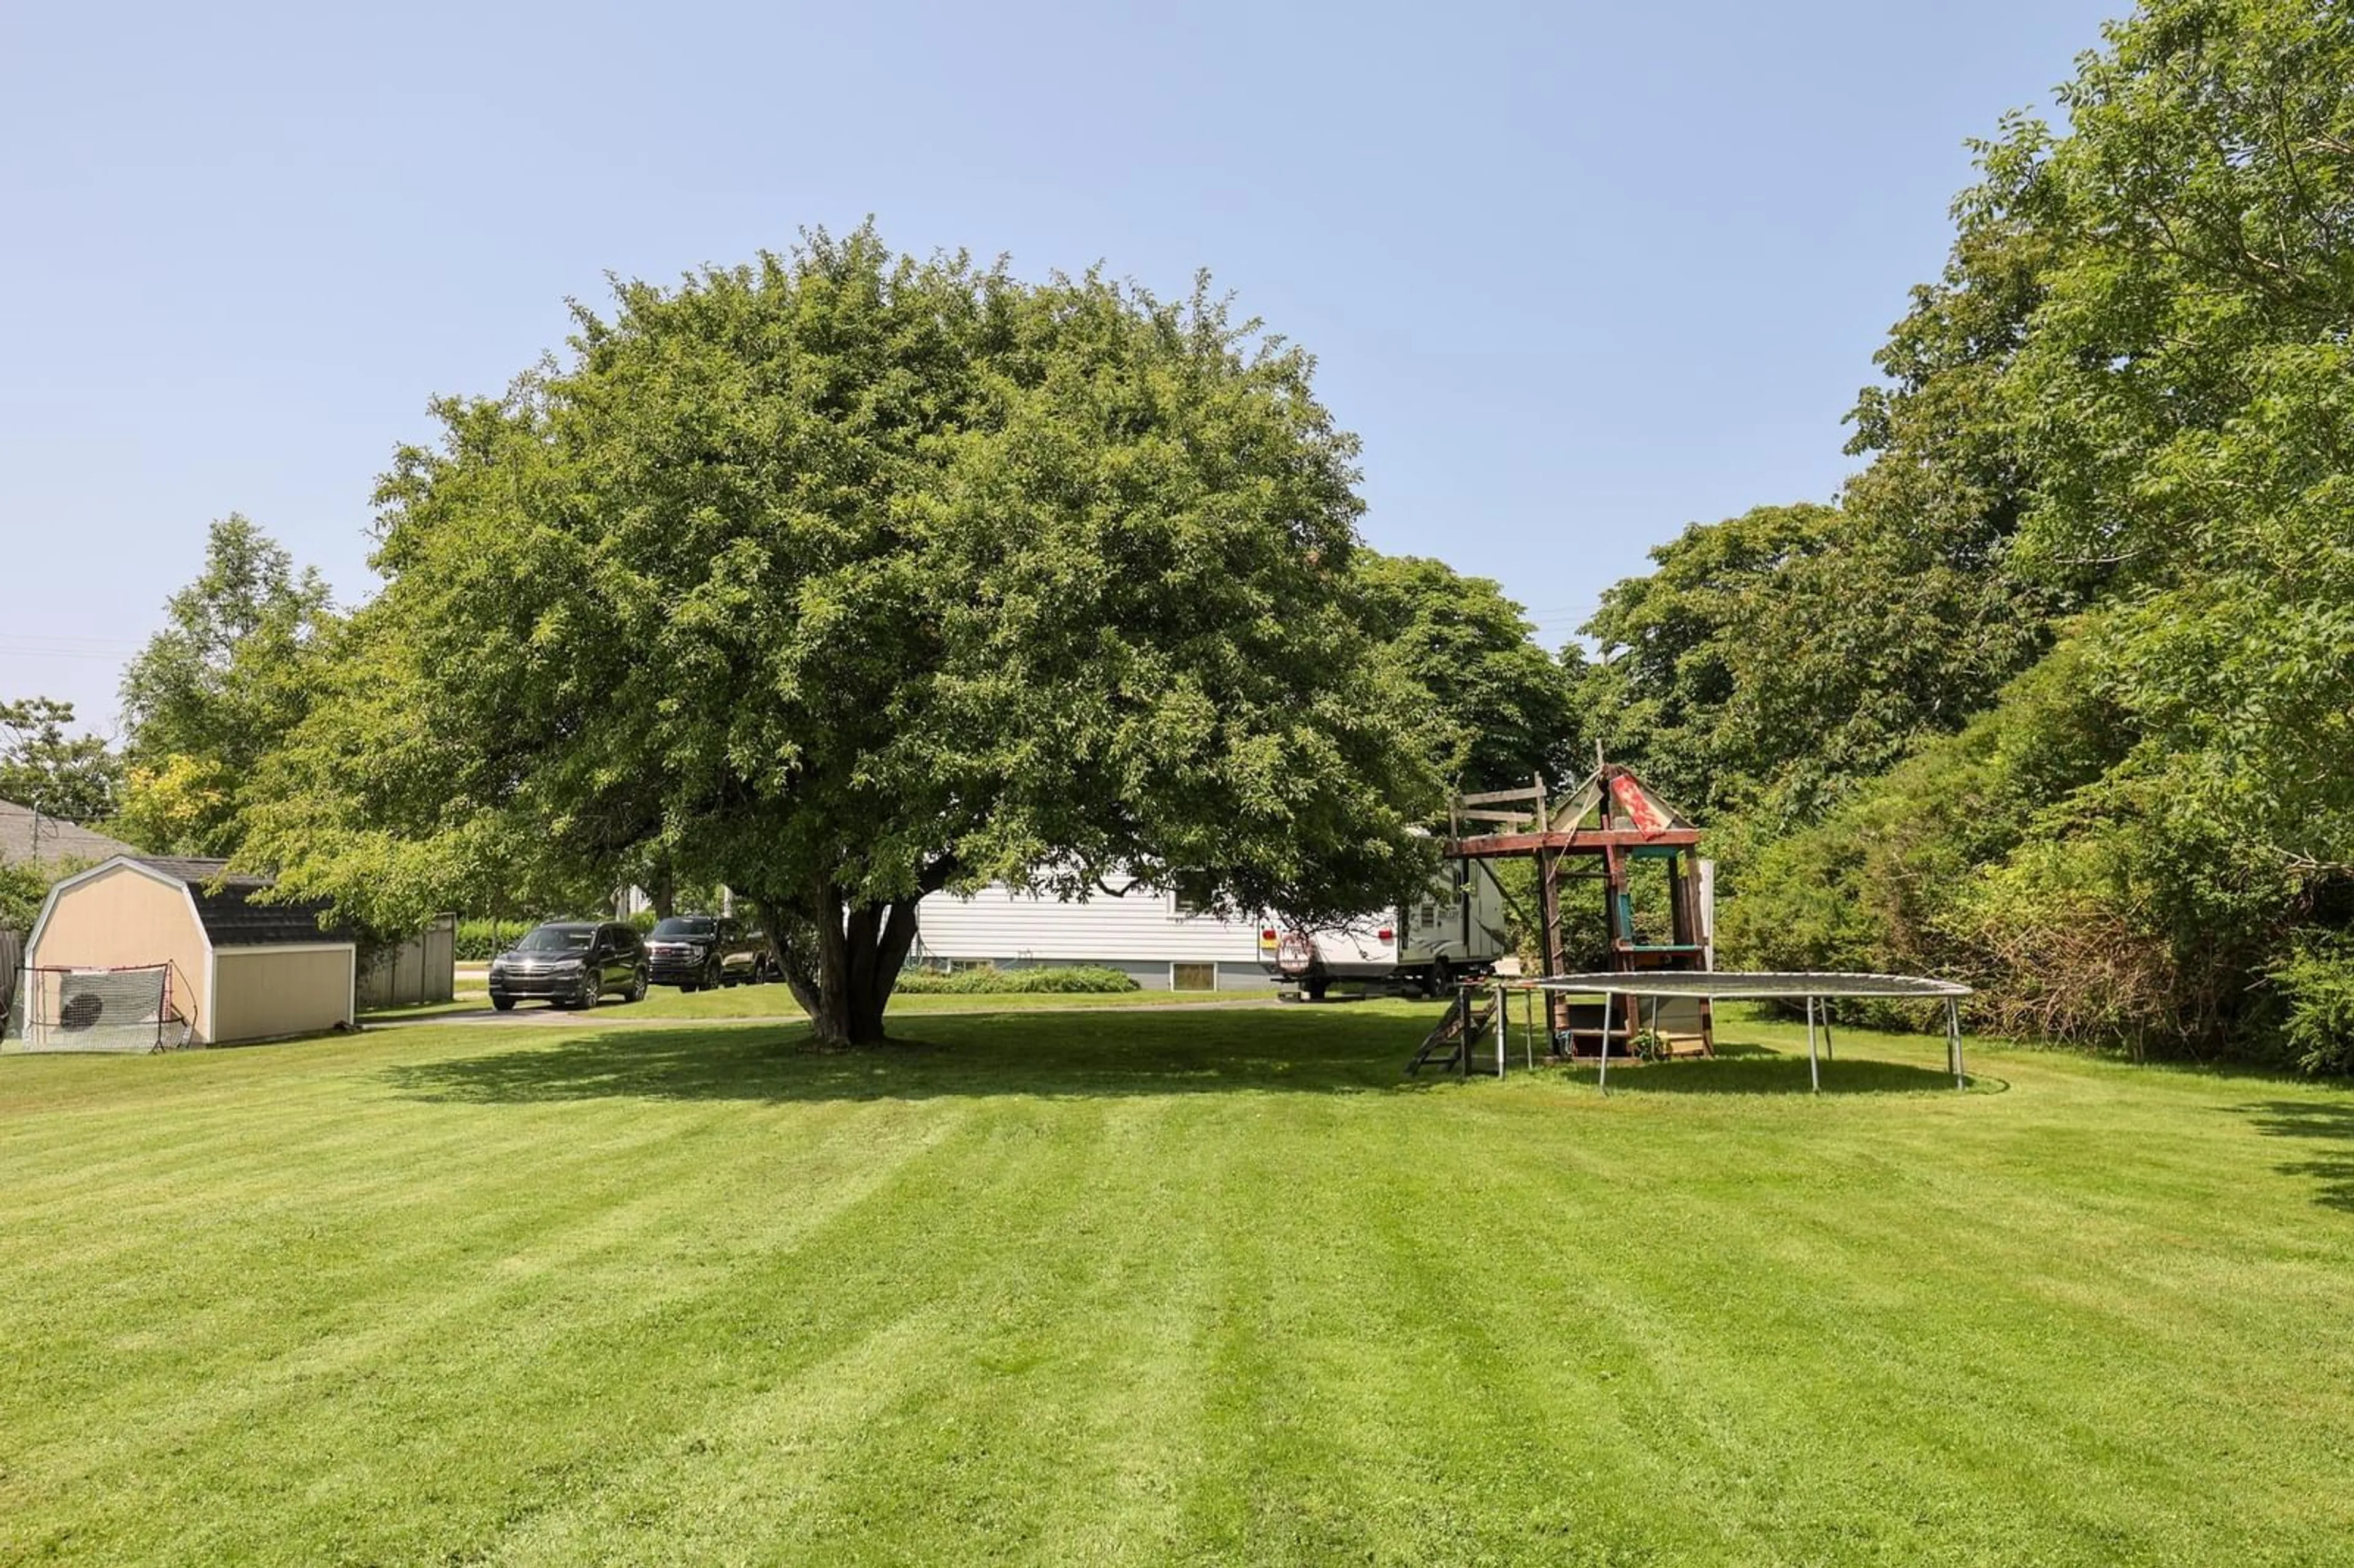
<point>1458,931</point>
<point>1158,939</point>
<point>1164,942</point>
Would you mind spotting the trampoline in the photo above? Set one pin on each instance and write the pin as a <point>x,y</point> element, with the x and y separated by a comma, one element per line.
<point>1817,987</point>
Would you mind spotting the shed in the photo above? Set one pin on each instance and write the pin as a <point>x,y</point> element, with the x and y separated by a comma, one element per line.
<point>232,970</point>
<point>32,838</point>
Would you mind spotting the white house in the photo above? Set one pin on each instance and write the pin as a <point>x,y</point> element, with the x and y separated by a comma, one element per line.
<point>1153,937</point>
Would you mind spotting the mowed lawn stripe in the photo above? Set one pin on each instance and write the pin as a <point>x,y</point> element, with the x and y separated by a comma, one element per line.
<point>1163,1287</point>
<point>502,1263</point>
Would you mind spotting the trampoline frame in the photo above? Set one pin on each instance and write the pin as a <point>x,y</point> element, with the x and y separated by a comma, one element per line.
<point>1817,987</point>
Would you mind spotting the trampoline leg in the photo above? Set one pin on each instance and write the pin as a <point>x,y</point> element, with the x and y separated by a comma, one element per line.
<point>1602,1078</point>
<point>1829,1054</point>
<point>1814,1073</point>
<point>1503,1018</point>
<point>1954,1043</point>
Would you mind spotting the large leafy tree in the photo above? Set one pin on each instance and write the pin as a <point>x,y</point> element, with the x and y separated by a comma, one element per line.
<point>2131,432</point>
<point>45,766</point>
<point>218,688</point>
<point>1674,682</point>
<point>1497,708</point>
<point>842,578</point>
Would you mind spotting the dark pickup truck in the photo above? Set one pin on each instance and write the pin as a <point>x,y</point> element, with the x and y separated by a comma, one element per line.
<point>695,951</point>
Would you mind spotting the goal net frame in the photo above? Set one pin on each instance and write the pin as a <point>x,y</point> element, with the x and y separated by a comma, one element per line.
<point>127,1009</point>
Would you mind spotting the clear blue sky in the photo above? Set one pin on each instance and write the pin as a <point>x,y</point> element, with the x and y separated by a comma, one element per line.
<point>1578,273</point>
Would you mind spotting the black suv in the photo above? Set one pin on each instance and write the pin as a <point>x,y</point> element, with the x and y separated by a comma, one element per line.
<point>572,963</point>
<point>694,951</point>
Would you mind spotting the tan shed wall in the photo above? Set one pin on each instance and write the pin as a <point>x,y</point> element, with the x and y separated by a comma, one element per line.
<point>261,993</point>
<point>121,918</point>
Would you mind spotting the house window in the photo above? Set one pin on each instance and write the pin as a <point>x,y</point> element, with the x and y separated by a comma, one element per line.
<point>1193,976</point>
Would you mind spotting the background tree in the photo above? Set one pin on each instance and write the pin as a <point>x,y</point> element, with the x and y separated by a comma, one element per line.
<point>1497,706</point>
<point>45,765</point>
<point>218,688</point>
<point>845,579</point>
<point>1673,686</point>
<point>2107,514</point>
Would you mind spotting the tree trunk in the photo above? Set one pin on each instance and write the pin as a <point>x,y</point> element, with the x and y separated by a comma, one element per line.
<point>843,960</point>
<point>842,965</point>
<point>664,890</point>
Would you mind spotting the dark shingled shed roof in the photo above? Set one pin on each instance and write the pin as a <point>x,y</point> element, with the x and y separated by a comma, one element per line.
<point>232,920</point>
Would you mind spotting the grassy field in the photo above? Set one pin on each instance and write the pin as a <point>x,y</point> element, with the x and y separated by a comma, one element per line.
<point>777,1002</point>
<point>1208,1286</point>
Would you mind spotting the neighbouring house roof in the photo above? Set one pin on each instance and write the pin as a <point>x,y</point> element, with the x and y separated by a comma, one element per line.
<point>224,903</point>
<point>27,838</point>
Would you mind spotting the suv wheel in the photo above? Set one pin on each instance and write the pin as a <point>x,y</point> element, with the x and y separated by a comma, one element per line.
<point>637,991</point>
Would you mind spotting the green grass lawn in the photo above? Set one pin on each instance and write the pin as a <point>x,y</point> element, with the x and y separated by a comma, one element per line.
<point>1208,1287</point>
<point>777,1002</point>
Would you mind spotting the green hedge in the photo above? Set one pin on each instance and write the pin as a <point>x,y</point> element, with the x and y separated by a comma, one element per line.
<point>999,982</point>
<point>477,945</point>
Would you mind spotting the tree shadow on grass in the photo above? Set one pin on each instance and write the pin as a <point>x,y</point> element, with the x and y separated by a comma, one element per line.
<point>1050,1054</point>
<point>2323,1121</point>
<point>1745,1069</point>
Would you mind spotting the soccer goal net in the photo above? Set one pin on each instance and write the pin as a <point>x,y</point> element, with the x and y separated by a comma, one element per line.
<point>102,1010</point>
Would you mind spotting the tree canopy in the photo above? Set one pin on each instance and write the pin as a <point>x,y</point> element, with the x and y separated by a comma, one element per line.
<point>217,689</point>
<point>2093,594</point>
<point>843,578</point>
<point>47,766</point>
<point>1495,706</point>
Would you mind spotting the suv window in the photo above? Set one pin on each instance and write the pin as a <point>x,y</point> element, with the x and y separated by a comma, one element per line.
<point>685,926</point>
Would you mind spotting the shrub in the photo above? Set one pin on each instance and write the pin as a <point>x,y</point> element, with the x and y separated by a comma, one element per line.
<point>22,890</point>
<point>997,982</point>
<point>481,938</point>
<point>2317,984</point>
